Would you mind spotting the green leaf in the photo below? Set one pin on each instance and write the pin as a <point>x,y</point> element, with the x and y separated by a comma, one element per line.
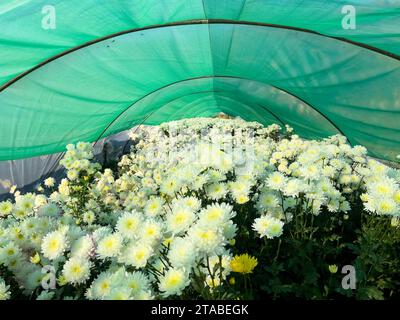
<point>374,293</point>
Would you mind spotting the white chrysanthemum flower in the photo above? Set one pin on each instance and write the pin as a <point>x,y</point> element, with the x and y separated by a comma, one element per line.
<point>333,205</point>
<point>89,217</point>
<point>225,163</point>
<point>6,208</point>
<point>216,214</point>
<point>15,233</point>
<point>25,202</point>
<point>145,295</point>
<point>154,206</point>
<point>294,187</point>
<point>345,179</point>
<point>216,191</point>
<point>344,206</point>
<point>229,230</point>
<point>268,226</point>
<point>179,219</point>
<point>173,282</point>
<point>49,182</point>
<point>101,233</point>
<point>40,200</point>
<point>63,188</point>
<point>310,172</point>
<point>187,173</point>
<point>119,293</point>
<point>49,210</point>
<point>267,200</point>
<point>191,202</point>
<point>276,181</point>
<point>151,231</point>
<point>328,171</point>
<point>9,253</point>
<point>76,270</point>
<point>215,176</point>
<point>261,225</point>
<point>82,247</point>
<point>80,146</point>
<point>20,213</point>
<point>138,283</point>
<point>54,244</point>
<point>382,188</point>
<point>378,168</point>
<point>29,226</point>
<point>72,174</point>
<point>70,229</point>
<point>386,206</point>
<point>170,186</point>
<point>182,253</point>
<point>129,224</point>
<point>241,198</point>
<point>100,287</point>
<point>137,254</point>
<point>34,279</point>
<point>4,290</point>
<point>110,246</point>
<point>337,164</point>
<point>396,196</point>
<point>199,182</point>
<point>317,206</point>
<point>205,239</point>
<point>239,186</point>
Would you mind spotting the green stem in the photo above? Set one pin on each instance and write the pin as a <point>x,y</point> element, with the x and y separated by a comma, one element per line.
<point>209,271</point>
<point>278,250</point>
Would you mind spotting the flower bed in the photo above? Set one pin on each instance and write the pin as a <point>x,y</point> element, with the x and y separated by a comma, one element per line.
<point>207,208</point>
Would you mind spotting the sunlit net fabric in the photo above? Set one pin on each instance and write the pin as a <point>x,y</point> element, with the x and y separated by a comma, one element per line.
<point>111,65</point>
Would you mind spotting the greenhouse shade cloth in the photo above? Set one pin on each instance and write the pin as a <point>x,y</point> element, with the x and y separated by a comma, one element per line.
<point>28,174</point>
<point>110,65</point>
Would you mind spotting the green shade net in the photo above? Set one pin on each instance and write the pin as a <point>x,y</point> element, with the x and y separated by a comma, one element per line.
<point>111,65</point>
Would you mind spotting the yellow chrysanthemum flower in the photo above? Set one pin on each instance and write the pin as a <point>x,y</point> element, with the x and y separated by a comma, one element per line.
<point>395,222</point>
<point>35,259</point>
<point>396,196</point>
<point>333,268</point>
<point>61,280</point>
<point>243,263</point>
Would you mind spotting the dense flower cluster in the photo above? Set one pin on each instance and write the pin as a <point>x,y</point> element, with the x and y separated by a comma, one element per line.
<point>164,222</point>
<point>4,293</point>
